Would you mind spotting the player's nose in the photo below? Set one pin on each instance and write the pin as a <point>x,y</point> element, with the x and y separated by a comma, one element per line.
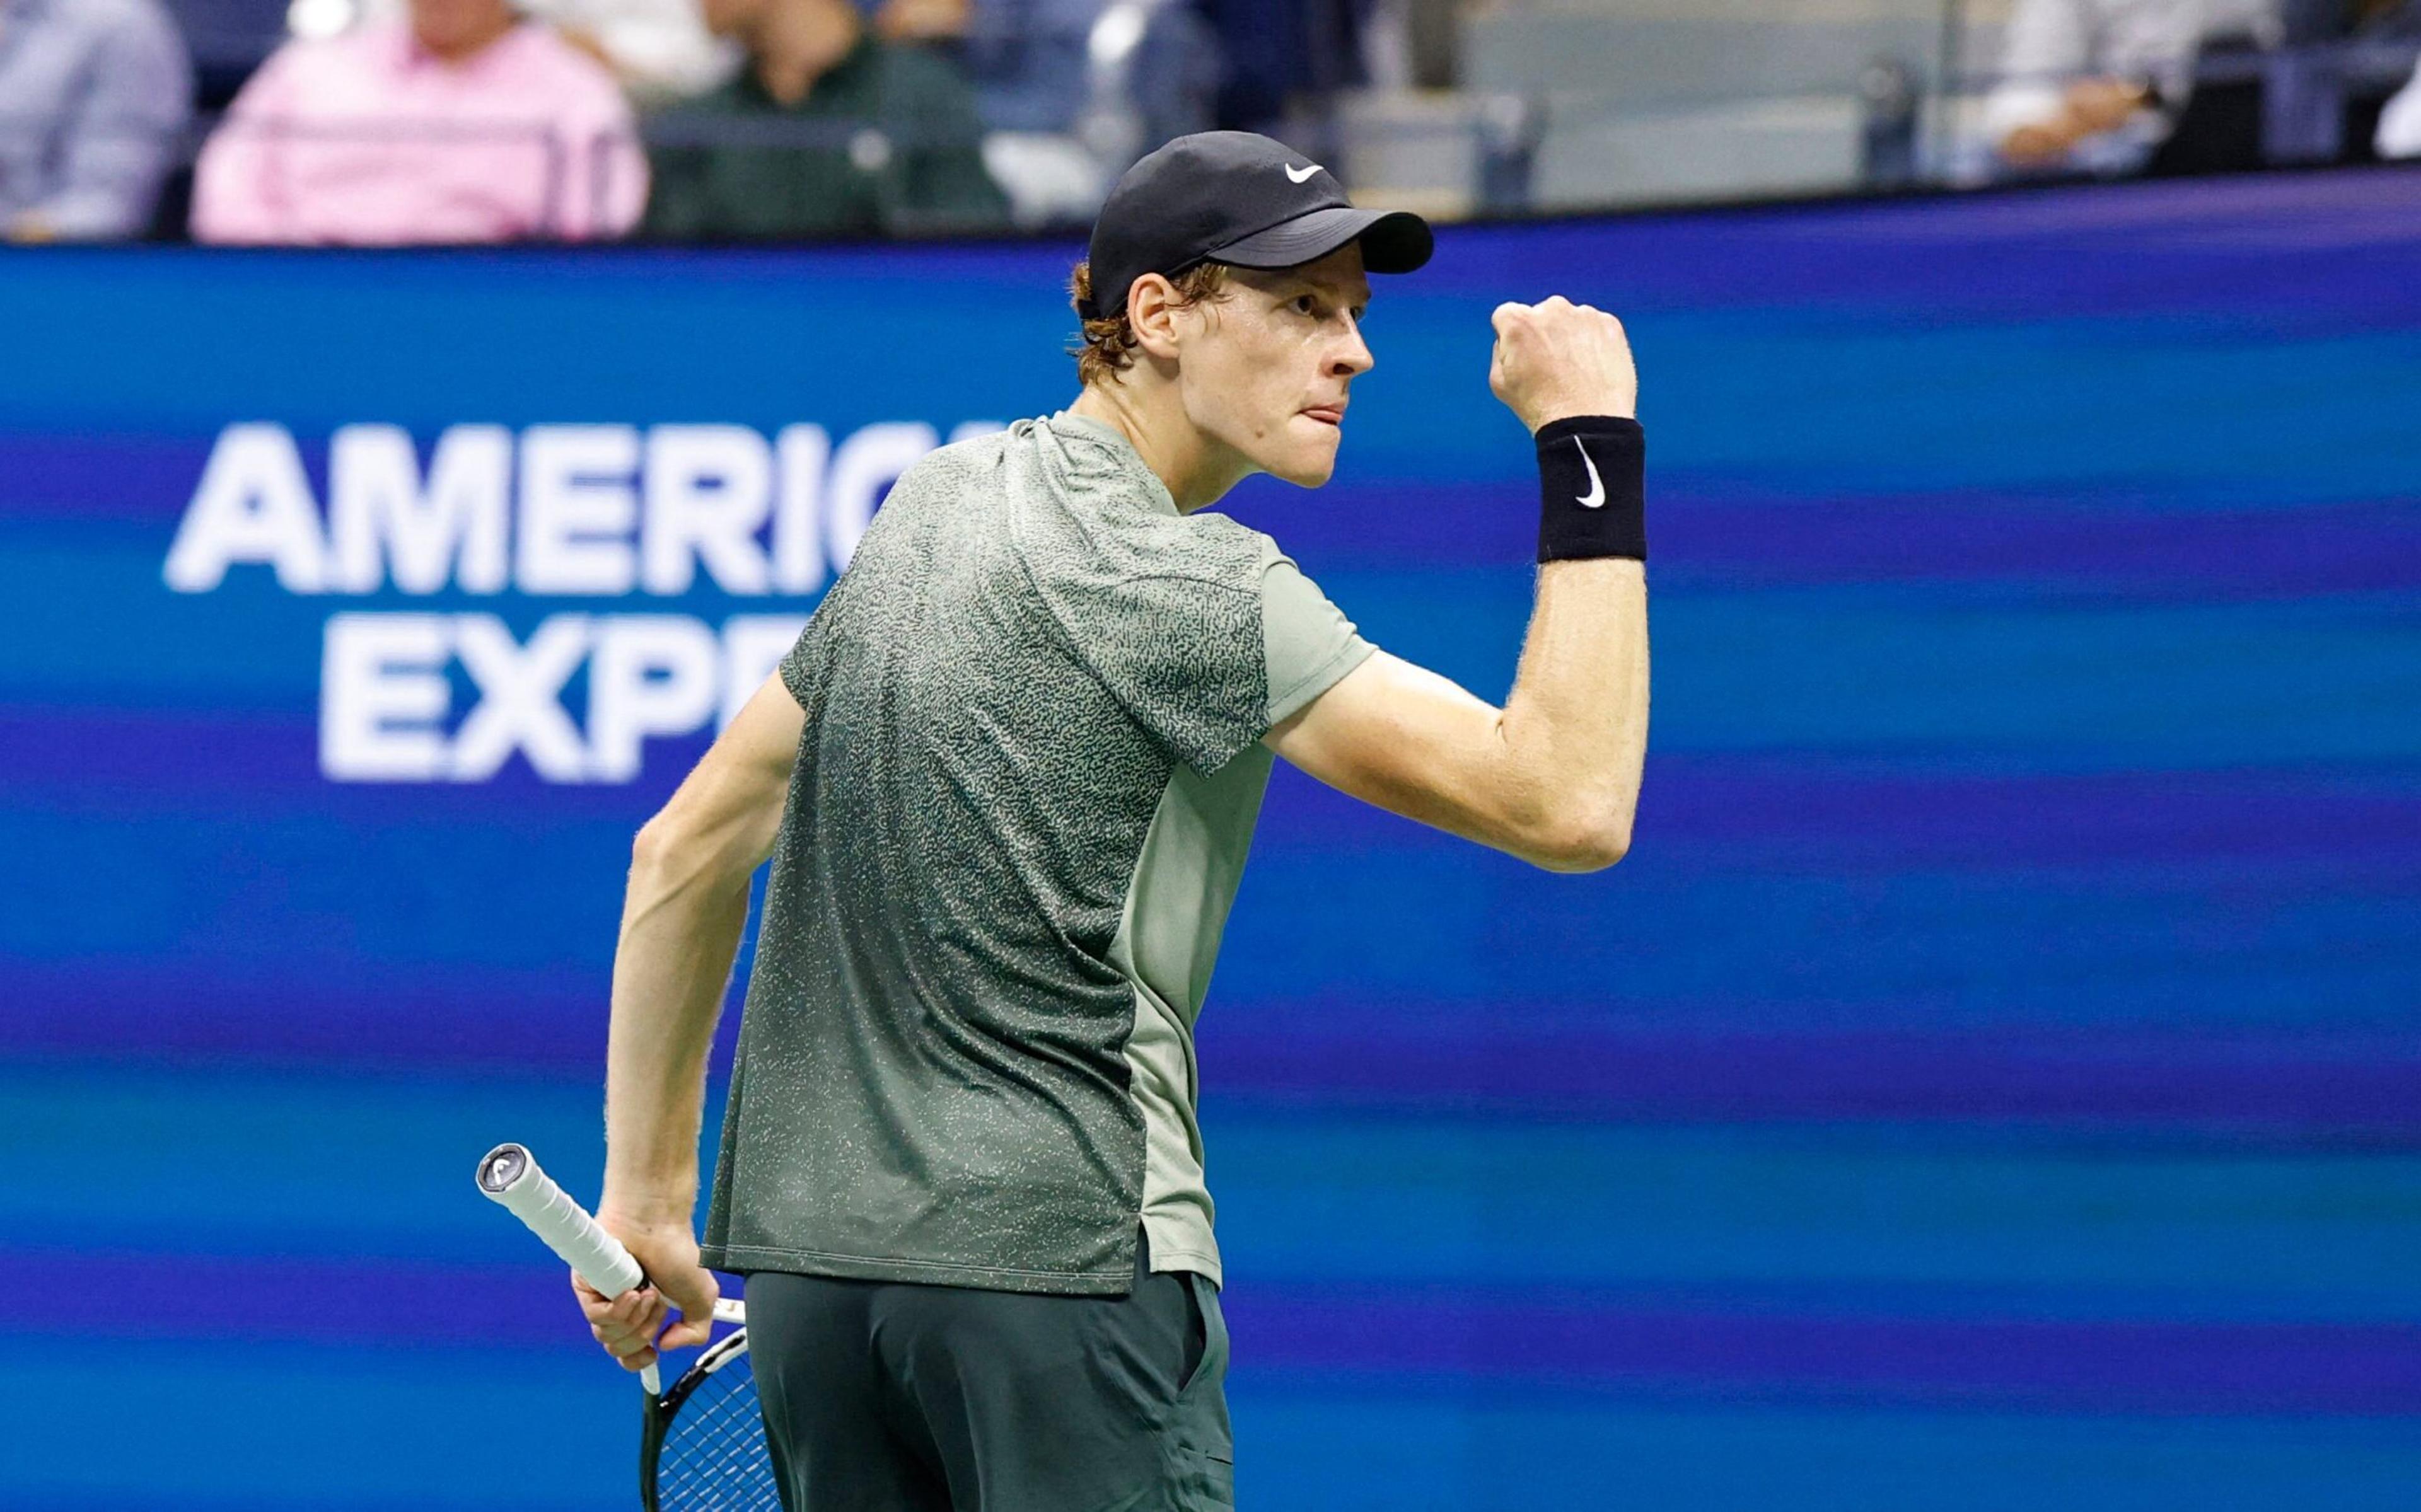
<point>1354,355</point>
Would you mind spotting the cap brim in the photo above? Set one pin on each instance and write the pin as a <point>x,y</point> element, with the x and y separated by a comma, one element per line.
<point>1393,240</point>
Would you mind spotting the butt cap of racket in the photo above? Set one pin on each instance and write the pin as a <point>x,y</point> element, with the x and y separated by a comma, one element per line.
<point>502,1166</point>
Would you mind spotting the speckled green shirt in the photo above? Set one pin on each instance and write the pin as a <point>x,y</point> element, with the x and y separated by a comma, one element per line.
<point>1028,782</point>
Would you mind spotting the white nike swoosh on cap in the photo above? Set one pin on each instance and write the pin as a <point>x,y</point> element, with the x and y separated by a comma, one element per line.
<point>1595,497</point>
<point>1301,175</point>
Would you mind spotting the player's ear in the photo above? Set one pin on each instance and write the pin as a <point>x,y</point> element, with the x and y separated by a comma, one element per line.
<point>1152,311</point>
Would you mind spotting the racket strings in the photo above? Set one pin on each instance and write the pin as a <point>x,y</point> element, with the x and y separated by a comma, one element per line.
<point>715,1457</point>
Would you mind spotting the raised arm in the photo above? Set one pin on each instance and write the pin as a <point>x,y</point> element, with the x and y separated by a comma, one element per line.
<point>1553,777</point>
<point>682,915</point>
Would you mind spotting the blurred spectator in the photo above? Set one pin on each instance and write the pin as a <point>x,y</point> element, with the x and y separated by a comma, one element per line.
<point>94,95</point>
<point>660,49</point>
<point>1072,91</point>
<point>1026,58</point>
<point>1284,55</point>
<point>2399,124</point>
<point>2097,83</point>
<point>1032,61</point>
<point>828,131</point>
<point>464,124</point>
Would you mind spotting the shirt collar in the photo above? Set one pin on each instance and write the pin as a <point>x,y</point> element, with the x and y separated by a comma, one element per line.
<point>1114,452</point>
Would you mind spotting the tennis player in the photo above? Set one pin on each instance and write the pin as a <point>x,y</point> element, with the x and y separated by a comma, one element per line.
<point>1008,778</point>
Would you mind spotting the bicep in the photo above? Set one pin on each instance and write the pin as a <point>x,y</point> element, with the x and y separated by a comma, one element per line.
<point>729,807</point>
<point>1410,741</point>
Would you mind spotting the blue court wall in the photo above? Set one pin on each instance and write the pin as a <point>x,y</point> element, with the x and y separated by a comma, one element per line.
<point>1992,1081</point>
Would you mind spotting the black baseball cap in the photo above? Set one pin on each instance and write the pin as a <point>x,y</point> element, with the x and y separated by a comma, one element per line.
<point>1236,197</point>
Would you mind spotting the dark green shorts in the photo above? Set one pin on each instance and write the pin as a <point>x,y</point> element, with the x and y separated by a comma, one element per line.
<point>890,1396</point>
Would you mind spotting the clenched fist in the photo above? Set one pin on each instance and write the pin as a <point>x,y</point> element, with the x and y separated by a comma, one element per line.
<point>1557,359</point>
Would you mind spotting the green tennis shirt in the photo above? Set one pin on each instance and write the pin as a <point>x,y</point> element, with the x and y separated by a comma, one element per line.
<point>1026,784</point>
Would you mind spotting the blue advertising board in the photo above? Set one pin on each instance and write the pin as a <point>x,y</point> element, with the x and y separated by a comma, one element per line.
<point>1995,1067</point>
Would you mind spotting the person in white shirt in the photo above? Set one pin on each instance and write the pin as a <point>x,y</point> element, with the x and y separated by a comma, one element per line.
<point>2095,84</point>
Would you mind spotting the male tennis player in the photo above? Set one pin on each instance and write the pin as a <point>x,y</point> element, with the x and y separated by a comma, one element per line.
<point>1008,778</point>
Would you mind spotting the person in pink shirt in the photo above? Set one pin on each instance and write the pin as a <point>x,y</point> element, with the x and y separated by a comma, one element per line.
<point>463,123</point>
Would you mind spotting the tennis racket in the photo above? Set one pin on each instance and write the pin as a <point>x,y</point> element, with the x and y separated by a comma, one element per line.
<point>702,1442</point>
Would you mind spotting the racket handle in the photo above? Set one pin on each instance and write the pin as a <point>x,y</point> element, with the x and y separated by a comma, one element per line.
<point>510,1174</point>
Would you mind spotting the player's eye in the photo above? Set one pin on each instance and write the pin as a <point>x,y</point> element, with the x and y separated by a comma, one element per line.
<point>1305,304</point>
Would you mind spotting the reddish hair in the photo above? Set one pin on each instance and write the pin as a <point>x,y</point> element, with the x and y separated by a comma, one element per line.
<point>1108,345</point>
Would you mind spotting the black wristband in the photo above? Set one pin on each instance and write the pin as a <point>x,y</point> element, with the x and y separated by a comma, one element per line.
<point>1592,489</point>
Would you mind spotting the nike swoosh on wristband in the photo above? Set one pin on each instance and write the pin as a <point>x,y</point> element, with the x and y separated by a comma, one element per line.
<point>1595,497</point>
<point>1304,176</point>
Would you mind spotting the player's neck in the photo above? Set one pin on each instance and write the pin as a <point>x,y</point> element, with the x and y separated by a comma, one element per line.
<point>1197,470</point>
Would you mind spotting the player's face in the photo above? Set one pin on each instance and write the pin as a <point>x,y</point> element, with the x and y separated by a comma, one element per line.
<point>1266,367</point>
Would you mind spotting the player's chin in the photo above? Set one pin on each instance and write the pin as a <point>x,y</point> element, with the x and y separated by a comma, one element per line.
<point>1310,454</point>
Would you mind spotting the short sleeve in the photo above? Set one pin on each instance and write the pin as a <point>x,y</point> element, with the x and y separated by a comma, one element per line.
<point>1182,655</point>
<point>806,664</point>
<point>1207,666</point>
<point>1307,646</point>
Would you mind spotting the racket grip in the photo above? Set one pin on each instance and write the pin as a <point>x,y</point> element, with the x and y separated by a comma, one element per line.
<point>510,1174</point>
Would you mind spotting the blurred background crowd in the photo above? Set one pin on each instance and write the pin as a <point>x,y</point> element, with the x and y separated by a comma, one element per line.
<point>393,121</point>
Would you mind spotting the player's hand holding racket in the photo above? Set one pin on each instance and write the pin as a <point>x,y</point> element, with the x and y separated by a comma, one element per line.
<point>632,1327</point>
<point>702,1440</point>
<point>1556,359</point>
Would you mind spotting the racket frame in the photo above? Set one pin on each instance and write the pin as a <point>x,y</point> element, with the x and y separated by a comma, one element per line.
<point>657,1424</point>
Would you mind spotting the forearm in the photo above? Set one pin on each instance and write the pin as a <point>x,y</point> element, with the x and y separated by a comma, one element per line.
<point>1573,732</point>
<point>1572,736</point>
<point>682,922</point>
